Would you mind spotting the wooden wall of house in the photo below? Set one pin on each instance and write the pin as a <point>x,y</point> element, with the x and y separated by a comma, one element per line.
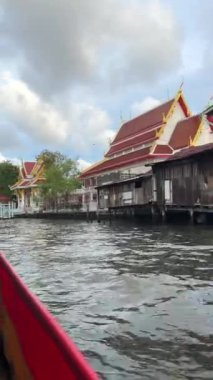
<point>126,194</point>
<point>205,166</point>
<point>143,191</point>
<point>178,180</point>
<point>190,182</point>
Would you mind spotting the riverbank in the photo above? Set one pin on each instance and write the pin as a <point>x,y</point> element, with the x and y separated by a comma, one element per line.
<point>170,215</point>
<point>59,215</point>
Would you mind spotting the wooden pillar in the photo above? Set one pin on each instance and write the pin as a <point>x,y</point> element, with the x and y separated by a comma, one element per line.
<point>191,215</point>
<point>98,215</point>
<point>87,211</point>
<point>110,214</point>
<point>163,215</point>
<point>154,214</point>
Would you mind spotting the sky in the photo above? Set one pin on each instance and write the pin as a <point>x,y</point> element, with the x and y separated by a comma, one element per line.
<point>72,71</point>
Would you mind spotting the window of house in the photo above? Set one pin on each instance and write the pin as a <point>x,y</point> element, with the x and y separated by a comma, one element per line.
<point>87,183</point>
<point>127,187</point>
<point>186,170</point>
<point>138,184</point>
<point>87,197</point>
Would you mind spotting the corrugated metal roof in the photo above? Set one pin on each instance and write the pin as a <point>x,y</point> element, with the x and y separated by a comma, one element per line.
<point>132,179</point>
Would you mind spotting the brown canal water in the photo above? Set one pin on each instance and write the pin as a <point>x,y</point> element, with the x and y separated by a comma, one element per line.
<point>138,300</point>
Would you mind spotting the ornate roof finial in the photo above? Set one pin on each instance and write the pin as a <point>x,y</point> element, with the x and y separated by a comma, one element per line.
<point>122,121</point>
<point>209,106</point>
<point>208,113</point>
<point>181,86</point>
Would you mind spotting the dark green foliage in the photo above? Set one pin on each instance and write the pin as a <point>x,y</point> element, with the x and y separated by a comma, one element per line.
<point>8,176</point>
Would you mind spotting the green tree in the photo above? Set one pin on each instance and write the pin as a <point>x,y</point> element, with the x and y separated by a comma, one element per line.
<point>8,176</point>
<point>61,175</point>
<point>51,158</point>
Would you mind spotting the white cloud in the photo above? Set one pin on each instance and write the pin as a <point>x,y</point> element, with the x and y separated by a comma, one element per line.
<point>59,43</point>
<point>24,108</point>
<point>92,127</point>
<point>82,164</point>
<point>193,56</point>
<point>146,104</point>
<point>80,53</point>
<point>82,127</point>
<point>14,161</point>
<point>205,34</point>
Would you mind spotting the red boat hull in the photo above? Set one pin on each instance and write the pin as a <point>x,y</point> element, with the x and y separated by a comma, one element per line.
<point>35,345</point>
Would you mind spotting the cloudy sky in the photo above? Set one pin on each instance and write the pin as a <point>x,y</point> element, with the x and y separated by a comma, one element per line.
<point>72,70</point>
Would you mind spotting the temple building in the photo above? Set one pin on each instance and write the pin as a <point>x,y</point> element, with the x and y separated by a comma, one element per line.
<point>26,189</point>
<point>139,141</point>
<point>124,177</point>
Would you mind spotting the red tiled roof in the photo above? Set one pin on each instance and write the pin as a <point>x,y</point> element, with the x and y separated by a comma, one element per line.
<point>25,183</point>
<point>38,182</point>
<point>27,177</point>
<point>144,122</point>
<point>133,142</point>
<point>162,149</point>
<point>135,133</point>
<point>185,130</point>
<point>120,161</point>
<point>28,167</point>
<point>21,183</point>
<point>191,151</point>
<point>184,106</point>
<point>4,198</point>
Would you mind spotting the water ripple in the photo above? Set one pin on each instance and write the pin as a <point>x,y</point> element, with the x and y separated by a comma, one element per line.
<point>138,300</point>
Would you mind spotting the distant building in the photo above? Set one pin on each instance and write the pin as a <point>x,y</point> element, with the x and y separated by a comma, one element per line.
<point>26,189</point>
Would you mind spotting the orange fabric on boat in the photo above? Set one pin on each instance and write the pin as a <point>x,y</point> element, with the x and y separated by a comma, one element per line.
<point>47,351</point>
